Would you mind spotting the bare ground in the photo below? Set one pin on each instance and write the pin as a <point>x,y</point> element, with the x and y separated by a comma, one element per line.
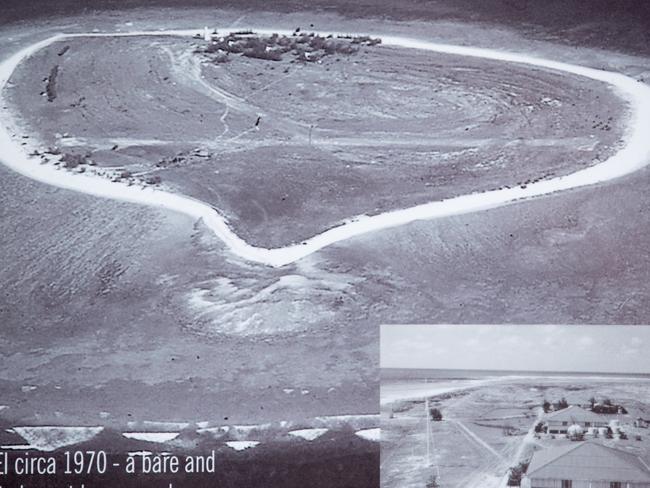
<point>391,127</point>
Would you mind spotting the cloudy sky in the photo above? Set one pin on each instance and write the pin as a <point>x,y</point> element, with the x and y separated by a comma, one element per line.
<point>604,349</point>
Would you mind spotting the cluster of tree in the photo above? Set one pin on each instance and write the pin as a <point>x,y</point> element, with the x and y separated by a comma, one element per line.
<point>553,407</point>
<point>606,406</point>
<point>302,46</point>
<point>516,473</point>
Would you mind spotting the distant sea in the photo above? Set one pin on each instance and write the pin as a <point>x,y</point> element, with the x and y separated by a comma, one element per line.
<point>455,374</point>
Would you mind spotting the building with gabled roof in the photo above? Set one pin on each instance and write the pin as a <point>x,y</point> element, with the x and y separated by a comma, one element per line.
<point>558,422</point>
<point>586,465</point>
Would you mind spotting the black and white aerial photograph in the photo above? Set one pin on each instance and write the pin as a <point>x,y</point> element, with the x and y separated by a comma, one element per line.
<point>515,406</point>
<point>208,208</point>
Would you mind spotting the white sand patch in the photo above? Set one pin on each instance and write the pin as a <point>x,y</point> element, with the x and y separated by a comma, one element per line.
<point>308,434</point>
<point>159,437</point>
<point>140,453</point>
<point>411,390</point>
<point>370,434</point>
<point>17,447</point>
<point>241,445</point>
<point>51,438</point>
<point>634,155</point>
<point>363,421</point>
<point>215,432</point>
<point>165,426</point>
<point>242,432</point>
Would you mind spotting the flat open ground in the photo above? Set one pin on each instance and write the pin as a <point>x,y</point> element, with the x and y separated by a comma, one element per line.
<point>484,429</point>
<point>391,127</point>
<point>138,313</point>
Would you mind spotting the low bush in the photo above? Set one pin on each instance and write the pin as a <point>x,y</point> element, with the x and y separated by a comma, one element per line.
<point>72,160</point>
<point>153,180</point>
<point>516,473</point>
<point>435,414</point>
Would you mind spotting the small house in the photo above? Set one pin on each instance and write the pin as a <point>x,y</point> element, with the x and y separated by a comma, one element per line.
<point>558,422</point>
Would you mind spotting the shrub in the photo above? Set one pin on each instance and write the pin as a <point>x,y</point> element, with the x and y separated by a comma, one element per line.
<point>345,48</point>
<point>260,52</point>
<point>213,48</point>
<point>435,414</point>
<point>50,88</point>
<point>71,160</point>
<point>516,473</point>
<point>562,404</point>
<point>221,58</point>
<point>317,42</point>
<point>153,180</point>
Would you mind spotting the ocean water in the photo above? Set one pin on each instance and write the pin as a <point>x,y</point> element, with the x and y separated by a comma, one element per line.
<point>465,374</point>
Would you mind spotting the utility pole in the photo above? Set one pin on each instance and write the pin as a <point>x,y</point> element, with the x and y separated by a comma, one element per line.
<point>430,440</point>
<point>426,413</point>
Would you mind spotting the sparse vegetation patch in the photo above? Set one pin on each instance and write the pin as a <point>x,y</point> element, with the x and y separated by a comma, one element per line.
<point>304,47</point>
<point>50,87</point>
<point>606,407</point>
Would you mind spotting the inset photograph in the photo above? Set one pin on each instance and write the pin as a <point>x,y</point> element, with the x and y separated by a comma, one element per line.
<point>487,406</point>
